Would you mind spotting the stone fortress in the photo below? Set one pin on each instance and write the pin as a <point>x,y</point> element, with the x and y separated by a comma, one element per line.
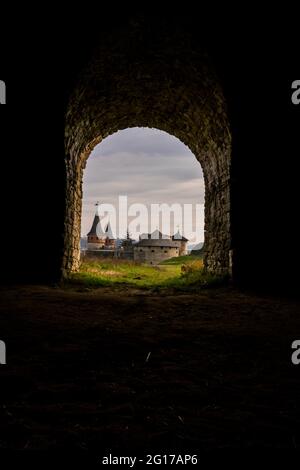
<point>151,248</point>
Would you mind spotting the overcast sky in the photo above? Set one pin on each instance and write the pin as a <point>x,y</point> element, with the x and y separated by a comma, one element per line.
<point>147,165</point>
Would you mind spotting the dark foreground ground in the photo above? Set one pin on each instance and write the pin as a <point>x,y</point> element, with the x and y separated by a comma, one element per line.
<point>104,370</point>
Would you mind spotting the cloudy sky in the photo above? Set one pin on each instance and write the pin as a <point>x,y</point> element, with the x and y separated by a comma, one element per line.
<point>149,167</point>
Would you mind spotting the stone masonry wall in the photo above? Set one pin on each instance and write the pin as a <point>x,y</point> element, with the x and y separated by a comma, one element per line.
<point>138,80</point>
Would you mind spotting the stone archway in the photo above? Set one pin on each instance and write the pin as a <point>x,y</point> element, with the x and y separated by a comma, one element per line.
<point>159,81</point>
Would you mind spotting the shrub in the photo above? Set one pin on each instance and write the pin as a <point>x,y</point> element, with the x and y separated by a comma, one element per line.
<point>187,269</point>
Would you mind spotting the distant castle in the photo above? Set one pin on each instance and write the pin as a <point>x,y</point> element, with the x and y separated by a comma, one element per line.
<point>97,240</point>
<point>152,248</point>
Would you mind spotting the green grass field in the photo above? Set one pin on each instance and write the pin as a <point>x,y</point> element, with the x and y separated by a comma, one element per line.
<point>180,260</point>
<point>182,273</point>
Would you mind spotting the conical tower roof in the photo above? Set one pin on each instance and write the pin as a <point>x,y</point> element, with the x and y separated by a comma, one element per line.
<point>178,236</point>
<point>108,232</point>
<point>93,230</point>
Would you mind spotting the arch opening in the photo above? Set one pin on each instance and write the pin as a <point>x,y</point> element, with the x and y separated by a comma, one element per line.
<point>175,90</point>
<point>140,181</point>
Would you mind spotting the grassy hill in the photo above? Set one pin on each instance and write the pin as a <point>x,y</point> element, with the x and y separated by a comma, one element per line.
<point>178,273</point>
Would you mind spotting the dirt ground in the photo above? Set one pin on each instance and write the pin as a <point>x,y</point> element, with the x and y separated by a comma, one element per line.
<point>99,370</point>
